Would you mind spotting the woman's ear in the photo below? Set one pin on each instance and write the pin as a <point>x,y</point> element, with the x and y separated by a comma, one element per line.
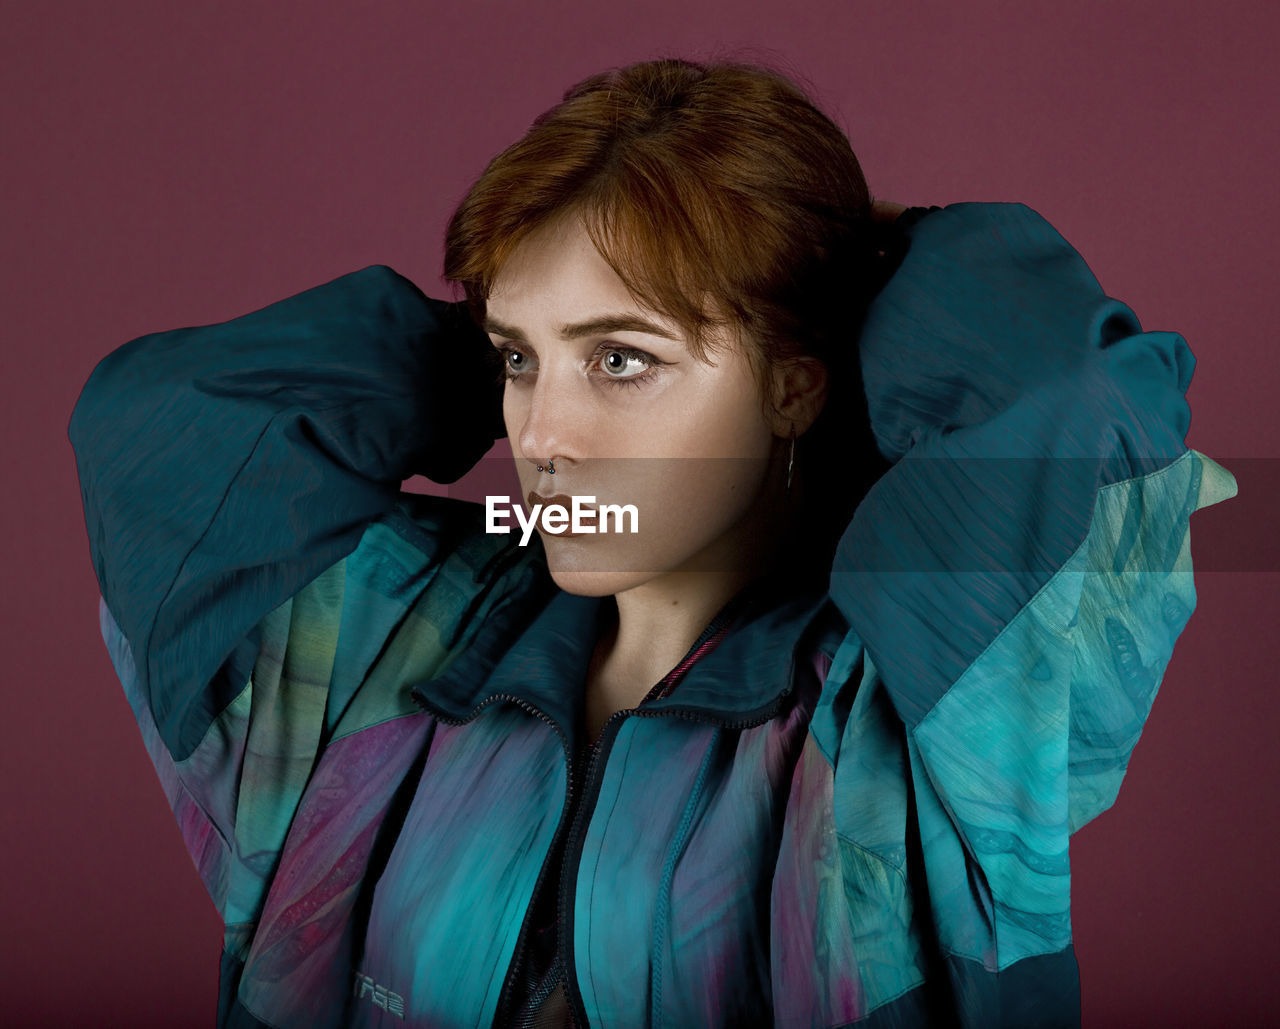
<point>799,393</point>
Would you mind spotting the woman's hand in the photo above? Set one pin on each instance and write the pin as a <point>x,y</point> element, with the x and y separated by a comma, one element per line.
<point>886,210</point>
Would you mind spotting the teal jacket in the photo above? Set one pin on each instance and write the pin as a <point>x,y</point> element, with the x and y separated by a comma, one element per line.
<point>856,809</point>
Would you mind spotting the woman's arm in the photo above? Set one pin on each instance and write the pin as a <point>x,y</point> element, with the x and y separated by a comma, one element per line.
<point>224,467</point>
<point>886,210</point>
<point>1020,575</point>
<point>241,485</point>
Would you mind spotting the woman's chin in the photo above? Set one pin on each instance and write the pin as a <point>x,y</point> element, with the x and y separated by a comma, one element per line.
<point>591,584</point>
<point>584,567</point>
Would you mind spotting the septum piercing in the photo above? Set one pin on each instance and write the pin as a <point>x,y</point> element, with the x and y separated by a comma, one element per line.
<point>550,468</point>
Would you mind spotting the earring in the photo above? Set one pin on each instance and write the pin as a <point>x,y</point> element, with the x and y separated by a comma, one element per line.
<point>791,459</point>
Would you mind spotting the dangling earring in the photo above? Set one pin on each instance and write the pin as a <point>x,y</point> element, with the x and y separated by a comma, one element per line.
<point>791,459</point>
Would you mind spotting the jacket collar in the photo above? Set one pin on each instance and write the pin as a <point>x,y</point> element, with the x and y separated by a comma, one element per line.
<point>740,682</point>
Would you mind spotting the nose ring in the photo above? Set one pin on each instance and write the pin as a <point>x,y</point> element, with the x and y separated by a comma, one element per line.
<point>550,469</point>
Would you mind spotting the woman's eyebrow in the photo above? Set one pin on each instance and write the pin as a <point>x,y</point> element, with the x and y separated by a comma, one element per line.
<point>592,327</point>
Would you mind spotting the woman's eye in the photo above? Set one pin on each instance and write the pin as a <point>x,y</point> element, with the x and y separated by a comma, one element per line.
<point>624,364</point>
<point>616,365</point>
<point>514,362</point>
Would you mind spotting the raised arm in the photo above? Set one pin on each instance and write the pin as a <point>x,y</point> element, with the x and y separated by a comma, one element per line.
<point>1018,577</point>
<point>224,467</point>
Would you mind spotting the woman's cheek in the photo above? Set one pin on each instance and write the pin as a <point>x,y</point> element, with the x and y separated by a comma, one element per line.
<point>702,497</point>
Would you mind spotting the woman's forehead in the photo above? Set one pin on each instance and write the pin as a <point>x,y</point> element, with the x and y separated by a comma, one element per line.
<point>557,262</point>
<point>557,277</point>
<point>557,283</point>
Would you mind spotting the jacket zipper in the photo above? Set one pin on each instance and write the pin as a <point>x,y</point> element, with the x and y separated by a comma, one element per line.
<point>522,944</point>
<point>577,836</point>
<point>526,930</point>
<point>572,857</point>
<point>577,831</point>
<point>591,787</point>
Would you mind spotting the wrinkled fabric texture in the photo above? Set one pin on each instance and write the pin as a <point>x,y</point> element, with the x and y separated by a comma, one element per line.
<point>855,809</point>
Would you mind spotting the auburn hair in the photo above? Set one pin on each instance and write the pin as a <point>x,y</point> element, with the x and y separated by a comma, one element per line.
<point>722,197</point>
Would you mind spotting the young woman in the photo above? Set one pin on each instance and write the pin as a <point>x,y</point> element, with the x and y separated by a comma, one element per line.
<point>800,745</point>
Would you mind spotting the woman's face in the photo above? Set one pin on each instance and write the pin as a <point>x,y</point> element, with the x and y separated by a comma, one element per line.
<point>612,393</point>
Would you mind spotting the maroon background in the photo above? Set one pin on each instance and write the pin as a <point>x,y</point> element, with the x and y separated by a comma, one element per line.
<point>176,164</point>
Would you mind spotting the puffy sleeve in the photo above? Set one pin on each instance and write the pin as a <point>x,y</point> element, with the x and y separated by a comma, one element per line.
<point>241,483</point>
<point>1018,578</point>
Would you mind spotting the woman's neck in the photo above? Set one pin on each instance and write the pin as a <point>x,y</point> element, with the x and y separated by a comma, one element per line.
<point>649,630</point>
<point>658,622</point>
<point>651,627</point>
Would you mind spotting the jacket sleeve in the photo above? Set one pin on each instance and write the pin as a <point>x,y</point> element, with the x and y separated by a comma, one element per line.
<point>227,471</point>
<point>1019,576</point>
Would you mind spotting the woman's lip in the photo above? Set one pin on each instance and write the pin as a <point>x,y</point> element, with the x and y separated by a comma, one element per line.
<point>534,499</point>
<point>588,512</point>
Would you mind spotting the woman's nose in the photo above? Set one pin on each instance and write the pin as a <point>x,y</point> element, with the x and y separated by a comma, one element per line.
<point>552,422</point>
